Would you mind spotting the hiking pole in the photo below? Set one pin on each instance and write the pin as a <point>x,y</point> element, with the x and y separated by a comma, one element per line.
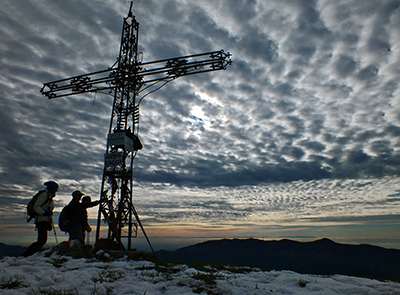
<point>54,230</point>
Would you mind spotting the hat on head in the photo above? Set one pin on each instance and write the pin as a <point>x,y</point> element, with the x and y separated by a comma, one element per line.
<point>77,193</point>
<point>51,185</point>
<point>86,199</point>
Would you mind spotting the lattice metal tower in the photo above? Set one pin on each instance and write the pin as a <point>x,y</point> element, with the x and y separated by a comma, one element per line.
<point>129,80</point>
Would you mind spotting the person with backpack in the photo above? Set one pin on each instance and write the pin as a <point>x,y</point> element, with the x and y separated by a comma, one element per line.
<point>72,218</point>
<point>42,211</point>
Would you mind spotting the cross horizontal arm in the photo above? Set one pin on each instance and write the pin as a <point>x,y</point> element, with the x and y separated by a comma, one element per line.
<point>138,74</point>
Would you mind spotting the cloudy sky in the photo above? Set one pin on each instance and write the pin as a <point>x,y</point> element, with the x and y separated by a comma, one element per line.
<point>298,138</point>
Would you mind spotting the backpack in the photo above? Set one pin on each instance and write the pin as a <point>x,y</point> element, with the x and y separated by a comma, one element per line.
<point>29,208</point>
<point>64,220</point>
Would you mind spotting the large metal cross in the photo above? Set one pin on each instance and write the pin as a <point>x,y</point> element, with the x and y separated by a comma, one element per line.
<point>129,80</point>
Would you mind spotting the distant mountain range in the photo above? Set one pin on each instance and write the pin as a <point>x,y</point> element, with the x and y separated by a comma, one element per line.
<point>7,250</point>
<point>322,257</point>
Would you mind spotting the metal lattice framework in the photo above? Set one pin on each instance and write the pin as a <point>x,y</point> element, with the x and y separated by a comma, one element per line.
<point>129,80</point>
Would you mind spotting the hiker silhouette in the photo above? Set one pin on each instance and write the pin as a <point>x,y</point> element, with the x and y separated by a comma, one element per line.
<point>43,207</point>
<point>77,216</point>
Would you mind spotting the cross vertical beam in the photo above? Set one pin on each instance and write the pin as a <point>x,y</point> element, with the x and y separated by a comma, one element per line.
<point>122,143</point>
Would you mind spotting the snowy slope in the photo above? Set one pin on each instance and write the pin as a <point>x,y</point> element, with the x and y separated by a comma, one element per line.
<point>57,274</point>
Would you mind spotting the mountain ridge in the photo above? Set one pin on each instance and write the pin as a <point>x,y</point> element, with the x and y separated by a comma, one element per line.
<point>11,250</point>
<point>323,256</point>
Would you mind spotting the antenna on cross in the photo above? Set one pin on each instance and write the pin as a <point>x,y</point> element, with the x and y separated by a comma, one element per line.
<point>130,13</point>
<point>129,80</point>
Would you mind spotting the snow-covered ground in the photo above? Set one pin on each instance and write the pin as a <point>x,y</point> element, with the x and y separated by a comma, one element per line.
<point>64,275</point>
